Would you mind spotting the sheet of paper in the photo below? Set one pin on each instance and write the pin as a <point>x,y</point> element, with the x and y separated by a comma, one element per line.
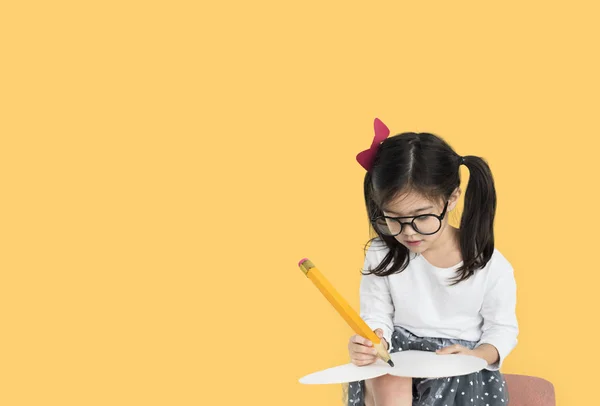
<point>415,364</point>
<point>347,373</point>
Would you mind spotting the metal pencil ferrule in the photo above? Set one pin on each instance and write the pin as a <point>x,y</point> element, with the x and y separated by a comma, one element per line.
<point>306,266</point>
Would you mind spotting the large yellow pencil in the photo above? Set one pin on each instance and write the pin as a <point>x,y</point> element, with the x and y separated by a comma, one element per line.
<point>352,318</point>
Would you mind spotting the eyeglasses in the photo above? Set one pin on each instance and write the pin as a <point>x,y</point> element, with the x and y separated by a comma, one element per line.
<point>425,224</point>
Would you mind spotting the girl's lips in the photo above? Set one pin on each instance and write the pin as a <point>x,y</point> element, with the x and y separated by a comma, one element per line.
<point>414,242</point>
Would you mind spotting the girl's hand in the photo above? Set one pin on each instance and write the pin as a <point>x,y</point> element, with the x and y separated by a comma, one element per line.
<point>457,349</point>
<point>484,351</point>
<point>362,351</point>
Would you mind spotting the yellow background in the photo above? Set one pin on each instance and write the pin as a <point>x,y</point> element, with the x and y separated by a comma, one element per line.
<point>165,165</point>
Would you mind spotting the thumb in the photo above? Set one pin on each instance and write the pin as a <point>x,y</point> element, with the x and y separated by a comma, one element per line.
<point>379,332</point>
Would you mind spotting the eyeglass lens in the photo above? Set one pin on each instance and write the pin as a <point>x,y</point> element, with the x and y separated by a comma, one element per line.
<point>423,224</point>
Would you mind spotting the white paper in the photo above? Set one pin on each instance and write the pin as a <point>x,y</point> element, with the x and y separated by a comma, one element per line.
<point>411,363</point>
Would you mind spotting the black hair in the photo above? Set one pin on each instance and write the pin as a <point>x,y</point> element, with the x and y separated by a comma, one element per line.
<point>424,163</point>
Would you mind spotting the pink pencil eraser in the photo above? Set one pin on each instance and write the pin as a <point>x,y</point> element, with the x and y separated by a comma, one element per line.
<point>302,260</point>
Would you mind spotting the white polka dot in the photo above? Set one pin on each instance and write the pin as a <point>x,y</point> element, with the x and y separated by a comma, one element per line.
<point>486,394</point>
<point>502,400</point>
<point>471,399</point>
<point>462,393</point>
<point>471,383</point>
<point>451,390</point>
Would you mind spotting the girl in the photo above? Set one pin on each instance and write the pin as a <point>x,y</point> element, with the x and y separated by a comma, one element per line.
<point>430,286</point>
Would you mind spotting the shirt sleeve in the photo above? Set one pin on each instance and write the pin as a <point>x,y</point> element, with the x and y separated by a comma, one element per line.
<point>376,306</point>
<point>500,327</point>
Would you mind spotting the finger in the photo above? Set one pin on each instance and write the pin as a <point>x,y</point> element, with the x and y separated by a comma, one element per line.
<point>447,350</point>
<point>363,357</point>
<point>361,349</point>
<point>361,340</point>
<point>361,362</point>
<point>452,349</point>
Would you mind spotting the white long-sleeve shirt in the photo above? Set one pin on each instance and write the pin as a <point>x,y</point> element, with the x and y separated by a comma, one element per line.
<point>419,299</point>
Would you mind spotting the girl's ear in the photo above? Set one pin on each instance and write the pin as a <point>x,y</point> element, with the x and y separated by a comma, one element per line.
<point>453,201</point>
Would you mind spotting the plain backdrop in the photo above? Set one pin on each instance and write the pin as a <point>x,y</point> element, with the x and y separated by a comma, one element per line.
<point>164,165</point>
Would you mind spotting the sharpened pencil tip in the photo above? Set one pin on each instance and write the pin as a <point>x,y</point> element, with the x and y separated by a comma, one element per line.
<point>390,362</point>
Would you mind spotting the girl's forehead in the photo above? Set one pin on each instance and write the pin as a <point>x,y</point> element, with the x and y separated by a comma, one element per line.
<point>408,202</point>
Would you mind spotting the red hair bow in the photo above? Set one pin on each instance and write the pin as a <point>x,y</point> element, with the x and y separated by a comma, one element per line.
<point>366,157</point>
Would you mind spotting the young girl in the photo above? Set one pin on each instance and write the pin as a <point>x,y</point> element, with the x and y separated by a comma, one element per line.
<point>430,286</point>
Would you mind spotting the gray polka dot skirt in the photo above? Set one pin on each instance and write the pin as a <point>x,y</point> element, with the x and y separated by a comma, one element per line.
<point>483,388</point>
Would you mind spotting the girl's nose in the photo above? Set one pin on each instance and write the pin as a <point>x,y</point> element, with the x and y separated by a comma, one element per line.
<point>407,229</point>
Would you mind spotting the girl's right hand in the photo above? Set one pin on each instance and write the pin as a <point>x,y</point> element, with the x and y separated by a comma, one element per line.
<point>362,351</point>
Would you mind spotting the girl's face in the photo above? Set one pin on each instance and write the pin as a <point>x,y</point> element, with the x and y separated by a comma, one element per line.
<point>413,204</point>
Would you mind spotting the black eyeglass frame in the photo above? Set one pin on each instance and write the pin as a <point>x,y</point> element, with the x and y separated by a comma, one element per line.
<point>412,222</point>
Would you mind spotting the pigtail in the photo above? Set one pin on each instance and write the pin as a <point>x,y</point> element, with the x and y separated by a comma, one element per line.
<point>477,222</point>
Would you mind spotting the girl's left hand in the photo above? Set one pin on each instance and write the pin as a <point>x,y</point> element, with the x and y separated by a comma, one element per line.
<point>457,349</point>
<point>487,352</point>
